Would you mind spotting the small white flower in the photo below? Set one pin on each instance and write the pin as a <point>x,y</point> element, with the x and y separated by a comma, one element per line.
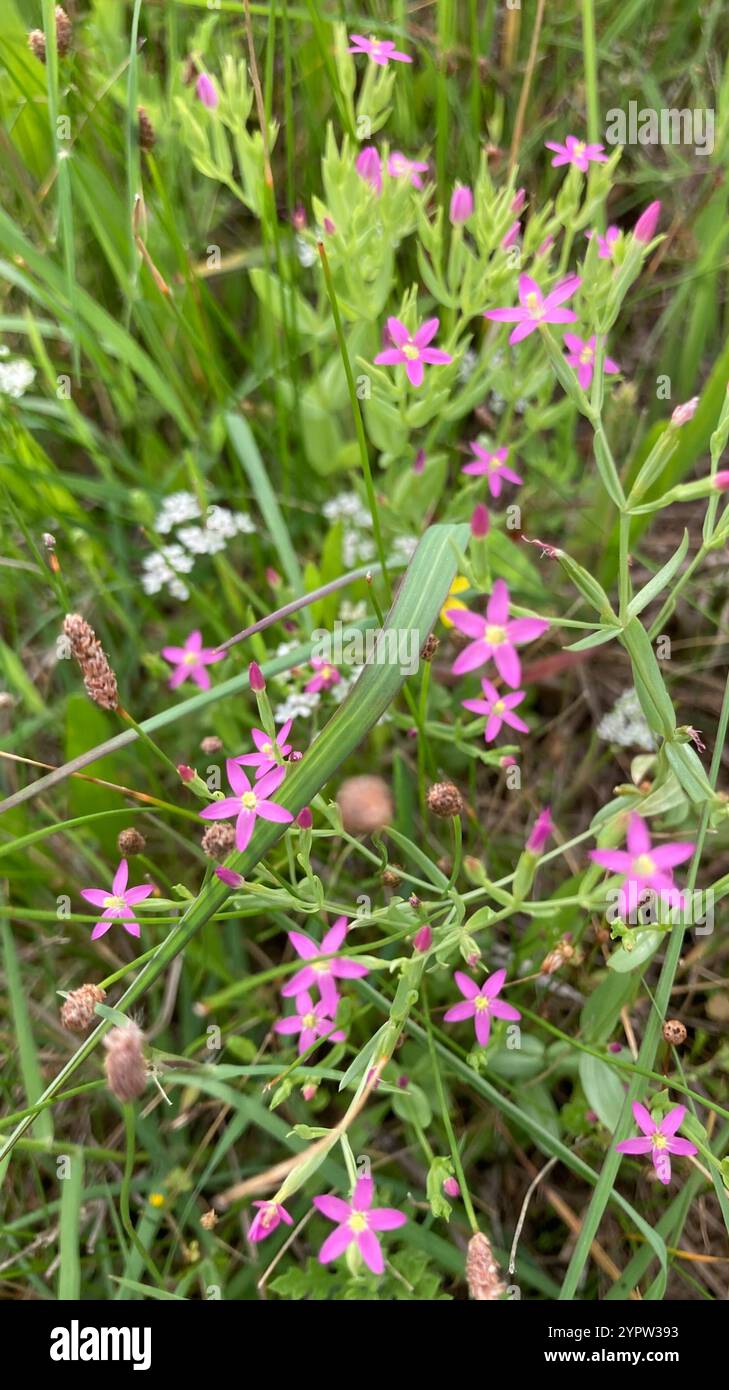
<point>352,612</point>
<point>195,539</point>
<point>245,525</point>
<point>16,377</point>
<point>625,724</point>
<point>346,506</point>
<point>306,253</point>
<point>176,509</point>
<point>467,365</point>
<point>403,547</point>
<point>356,549</point>
<point>298,705</point>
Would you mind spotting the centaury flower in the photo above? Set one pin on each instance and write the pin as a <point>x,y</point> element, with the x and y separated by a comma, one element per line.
<point>495,636</point>
<point>358,1221</point>
<point>264,759</point>
<point>247,804</point>
<point>381,51</point>
<point>413,351</point>
<point>267,1218</point>
<point>644,866</point>
<point>399,166</point>
<point>118,903</point>
<point>369,167</point>
<point>326,676</point>
<point>537,308</point>
<point>581,355</point>
<point>492,466</point>
<point>190,661</point>
<point>322,973</point>
<point>311,1021</point>
<point>498,709</point>
<point>658,1140</point>
<point>606,243</point>
<point>576,152</point>
<point>481,1004</point>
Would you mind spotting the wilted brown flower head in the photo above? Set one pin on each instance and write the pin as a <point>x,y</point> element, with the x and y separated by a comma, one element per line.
<point>365,804</point>
<point>125,1067</point>
<point>444,799</point>
<point>560,954</point>
<point>64,37</point>
<point>430,647</point>
<point>130,841</point>
<point>209,1220</point>
<point>482,1272</point>
<point>77,1010</point>
<point>218,840</point>
<point>211,744</point>
<point>99,678</point>
<point>147,135</point>
<point>674,1032</point>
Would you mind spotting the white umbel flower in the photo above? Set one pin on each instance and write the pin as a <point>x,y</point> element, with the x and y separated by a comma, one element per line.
<point>625,724</point>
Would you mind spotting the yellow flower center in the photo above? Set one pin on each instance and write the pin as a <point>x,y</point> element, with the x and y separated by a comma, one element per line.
<point>659,1141</point>
<point>587,354</point>
<point>411,352</point>
<point>534,305</point>
<point>498,707</point>
<point>113,901</point>
<point>357,1221</point>
<point>191,658</point>
<point>249,801</point>
<point>482,1002</point>
<point>643,866</point>
<point>309,1020</point>
<point>268,1215</point>
<point>494,635</point>
<point>267,748</point>
<point>325,672</point>
<point>579,148</point>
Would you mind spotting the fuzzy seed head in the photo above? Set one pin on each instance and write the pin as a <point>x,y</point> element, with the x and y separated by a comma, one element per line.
<point>211,744</point>
<point>674,1032</point>
<point>482,1272</point>
<point>130,842</point>
<point>218,840</point>
<point>444,799</point>
<point>147,135</point>
<point>125,1067</point>
<point>77,1011</point>
<point>99,679</point>
<point>365,804</point>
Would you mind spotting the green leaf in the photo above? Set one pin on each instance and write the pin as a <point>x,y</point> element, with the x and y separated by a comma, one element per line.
<point>245,446</point>
<point>595,639</point>
<point>659,581</point>
<point>603,1089</point>
<point>623,961</point>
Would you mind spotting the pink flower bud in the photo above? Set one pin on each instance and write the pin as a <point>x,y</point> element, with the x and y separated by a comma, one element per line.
<point>186,773</point>
<point>480,521</point>
<point>511,235</point>
<point>721,480</point>
<point>298,218</point>
<point>423,939</point>
<point>328,226</point>
<point>308,1091</point>
<point>518,200</point>
<point>645,228</point>
<point>273,578</point>
<point>461,204</point>
<point>507,761</point>
<point>541,832</point>
<point>305,820</point>
<point>451,1187</point>
<point>419,461</point>
<point>229,876</point>
<point>683,413</point>
<point>256,678</point>
<point>403,1082</point>
<point>206,91</point>
<point>369,167</point>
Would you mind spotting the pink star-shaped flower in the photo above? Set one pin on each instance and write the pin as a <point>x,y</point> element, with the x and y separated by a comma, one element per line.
<point>311,1021</point>
<point>247,804</point>
<point>323,973</point>
<point>358,1221</point>
<point>267,1218</point>
<point>498,709</point>
<point>537,308</point>
<point>191,661</point>
<point>605,243</point>
<point>581,355</point>
<point>492,465</point>
<point>264,759</point>
<point>658,1140</point>
<point>576,152</point>
<point>413,351</point>
<point>381,51</point>
<point>644,866</point>
<point>118,903</point>
<point>399,166</point>
<point>481,1004</point>
<point>494,636</point>
<point>326,675</point>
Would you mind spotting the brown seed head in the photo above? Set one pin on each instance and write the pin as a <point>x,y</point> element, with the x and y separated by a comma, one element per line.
<point>482,1272</point>
<point>365,804</point>
<point>130,842</point>
<point>557,957</point>
<point>209,1220</point>
<point>674,1032</point>
<point>37,44</point>
<point>147,136</point>
<point>430,647</point>
<point>126,1069</point>
<point>77,1011</point>
<point>64,32</point>
<point>218,840</point>
<point>390,876</point>
<point>211,744</point>
<point>99,678</point>
<point>444,799</point>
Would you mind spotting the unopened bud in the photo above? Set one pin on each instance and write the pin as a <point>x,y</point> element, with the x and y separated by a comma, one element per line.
<point>423,939</point>
<point>256,678</point>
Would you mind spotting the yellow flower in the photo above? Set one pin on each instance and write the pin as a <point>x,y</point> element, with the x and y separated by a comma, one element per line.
<point>459,586</point>
<point>156,1199</point>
